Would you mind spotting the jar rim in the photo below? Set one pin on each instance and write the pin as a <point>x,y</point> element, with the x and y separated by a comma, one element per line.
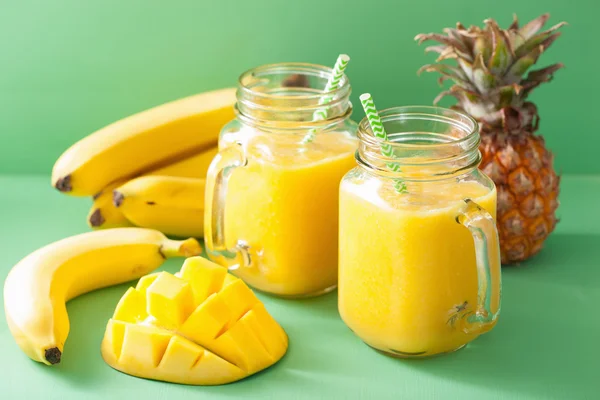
<point>421,142</point>
<point>291,67</point>
<point>456,118</point>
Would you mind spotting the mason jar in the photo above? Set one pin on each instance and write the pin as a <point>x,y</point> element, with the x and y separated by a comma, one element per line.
<point>271,212</point>
<point>419,269</point>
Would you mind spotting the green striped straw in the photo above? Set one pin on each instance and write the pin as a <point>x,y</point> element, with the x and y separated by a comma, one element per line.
<point>379,131</point>
<point>332,84</point>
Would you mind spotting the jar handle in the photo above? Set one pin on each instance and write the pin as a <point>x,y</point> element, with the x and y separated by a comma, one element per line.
<point>220,170</point>
<point>487,253</point>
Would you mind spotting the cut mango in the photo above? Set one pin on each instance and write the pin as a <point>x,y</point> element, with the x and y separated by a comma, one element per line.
<point>113,339</point>
<point>181,355</point>
<point>249,353</point>
<point>144,345</point>
<point>145,282</point>
<point>207,321</point>
<point>204,276</point>
<point>229,279</point>
<point>201,326</point>
<point>216,371</point>
<point>270,334</point>
<point>239,298</point>
<point>169,300</point>
<point>131,307</point>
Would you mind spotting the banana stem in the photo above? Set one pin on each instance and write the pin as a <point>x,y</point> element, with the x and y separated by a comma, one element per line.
<point>180,248</point>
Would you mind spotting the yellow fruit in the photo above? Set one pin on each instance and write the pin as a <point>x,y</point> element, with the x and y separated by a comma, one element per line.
<point>169,300</point>
<point>131,307</point>
<point>172,205</point>
<point>239,298</point>
<point>182,362</point>
<point>204,276</point>
<point>270,334</point>
<point>145,282</point>
<point>144,344</point>
<point>195,166</point>
<point>143,142</point>
<point>104,214</point>
<point>37,288</point>
<point>209,320</point>
<point>228,336</point>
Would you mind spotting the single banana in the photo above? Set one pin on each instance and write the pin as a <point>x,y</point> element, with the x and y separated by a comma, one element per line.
<point>104,214</point>
<point>142,142</point>
<point>37,288</point>
<point>172,205</point>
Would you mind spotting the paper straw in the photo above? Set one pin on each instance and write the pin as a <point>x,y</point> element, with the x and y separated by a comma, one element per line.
<point>379,131</point>
<point>332,84</point>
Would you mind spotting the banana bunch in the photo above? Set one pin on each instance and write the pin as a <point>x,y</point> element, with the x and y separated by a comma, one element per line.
<point>148,170</point>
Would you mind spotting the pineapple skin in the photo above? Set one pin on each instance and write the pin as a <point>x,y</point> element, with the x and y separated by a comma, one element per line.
<point>492,81</point>
<point>527,185</point>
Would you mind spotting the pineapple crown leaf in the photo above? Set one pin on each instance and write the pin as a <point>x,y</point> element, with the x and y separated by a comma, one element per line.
<point>448,72</point>
<point>493,63</point>
<point>515,24</point>
<point>532,27</point>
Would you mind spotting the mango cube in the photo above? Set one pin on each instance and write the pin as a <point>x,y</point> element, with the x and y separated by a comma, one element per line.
<point>229,279</point>
<point>144,344</point>
<point>169,300</point>
<point>243,348</point>
<point>145,282</point>
<point>207,321</point>
<point>131,307</point>
<point>181,355</point>
<point>239,298</point>
<point>267,330</point>
<point>216,370</point>
<point>115,333</point>
<point>204,276</point>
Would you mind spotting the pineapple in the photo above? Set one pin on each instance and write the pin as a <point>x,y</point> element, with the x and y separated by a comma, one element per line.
<point>491,82</point>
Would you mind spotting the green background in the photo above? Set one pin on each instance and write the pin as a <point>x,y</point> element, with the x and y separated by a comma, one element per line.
<point>70,67</point>
<point>544,347</point>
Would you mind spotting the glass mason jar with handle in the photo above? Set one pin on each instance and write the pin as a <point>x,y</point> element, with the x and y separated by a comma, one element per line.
<point>271,212</point>
<point>419,269</point>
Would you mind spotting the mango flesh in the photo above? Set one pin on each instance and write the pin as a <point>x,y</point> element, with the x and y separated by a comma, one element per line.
<point>201,326</point>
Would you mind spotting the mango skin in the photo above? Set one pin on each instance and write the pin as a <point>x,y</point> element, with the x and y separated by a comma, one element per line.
<point>200,326</point>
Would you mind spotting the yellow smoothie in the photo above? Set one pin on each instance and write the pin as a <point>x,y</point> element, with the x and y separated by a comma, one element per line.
<point>408,276</point>
<point>284,206</point>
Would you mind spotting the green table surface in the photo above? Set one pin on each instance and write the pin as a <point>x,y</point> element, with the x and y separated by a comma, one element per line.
<point>545,346</point>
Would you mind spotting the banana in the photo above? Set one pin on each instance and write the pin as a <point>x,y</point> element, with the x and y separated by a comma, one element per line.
<point>104,214</point>
<point>195,166</point>
<point>142,142</point>
<point>37,288</point>
<point>172,205</point>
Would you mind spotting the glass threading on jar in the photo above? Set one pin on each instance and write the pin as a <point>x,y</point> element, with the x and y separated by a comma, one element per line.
<point>428,143</point>
<point>285,96</point>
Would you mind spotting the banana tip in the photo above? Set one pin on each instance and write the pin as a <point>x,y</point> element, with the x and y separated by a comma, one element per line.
<point>190,247</point>
<point>118,198</point>
<point>64,184</point>
<point>96,219</point>
<point>53,355</point>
